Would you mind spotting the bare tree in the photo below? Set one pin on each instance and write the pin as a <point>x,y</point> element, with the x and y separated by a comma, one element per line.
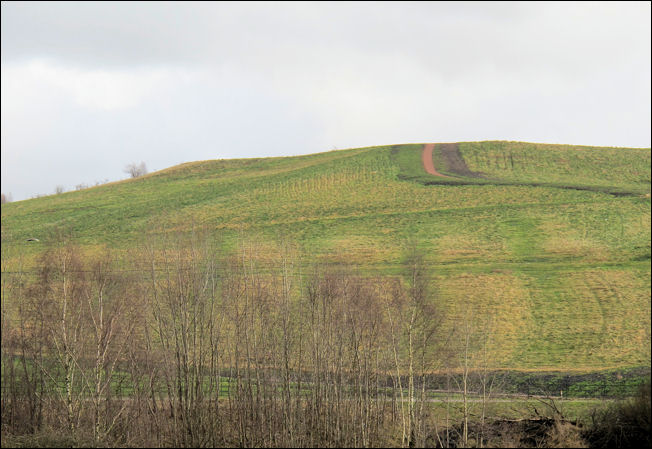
<point>6,198</point>
<point>58,300</point>
<point>136,170</point>
<point>59,189</point>
<point>417,343</point>
<point>110,330</point>
<point>474,377</point>
<point>185,309</point>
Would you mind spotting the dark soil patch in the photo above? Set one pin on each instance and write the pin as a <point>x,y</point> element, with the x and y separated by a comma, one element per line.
<point>454,161</point>
<point>509,433</point>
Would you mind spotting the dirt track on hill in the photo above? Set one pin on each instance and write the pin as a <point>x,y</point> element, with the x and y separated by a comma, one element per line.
<point>426,158</point>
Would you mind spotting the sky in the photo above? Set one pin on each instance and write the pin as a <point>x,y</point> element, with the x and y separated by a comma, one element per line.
<point>90,87</point>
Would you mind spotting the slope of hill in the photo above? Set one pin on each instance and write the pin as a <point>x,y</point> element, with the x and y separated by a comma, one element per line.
<point>552,240</point>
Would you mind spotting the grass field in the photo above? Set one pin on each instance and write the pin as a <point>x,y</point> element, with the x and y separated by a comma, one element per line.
<point>601,167</point>
<point>551,245</point>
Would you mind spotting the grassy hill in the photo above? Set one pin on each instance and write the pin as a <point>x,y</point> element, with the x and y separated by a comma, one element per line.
<point>551,241</point>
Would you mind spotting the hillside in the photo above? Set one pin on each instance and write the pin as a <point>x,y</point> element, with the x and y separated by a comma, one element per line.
<point>553,241</point>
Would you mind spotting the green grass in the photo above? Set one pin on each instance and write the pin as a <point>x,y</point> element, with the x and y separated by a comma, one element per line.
<point>553,244</point>
<point>600,168</point>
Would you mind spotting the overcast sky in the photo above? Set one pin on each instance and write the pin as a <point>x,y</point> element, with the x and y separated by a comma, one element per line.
<point>89,87</point>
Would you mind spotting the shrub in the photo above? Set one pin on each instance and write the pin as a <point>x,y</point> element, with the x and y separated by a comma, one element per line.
<point>623,424</point>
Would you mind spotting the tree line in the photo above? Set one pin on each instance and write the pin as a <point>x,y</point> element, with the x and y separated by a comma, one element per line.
<point>181,343</point>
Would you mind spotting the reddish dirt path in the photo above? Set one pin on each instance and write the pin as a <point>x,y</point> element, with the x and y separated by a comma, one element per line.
<point>426,158</point>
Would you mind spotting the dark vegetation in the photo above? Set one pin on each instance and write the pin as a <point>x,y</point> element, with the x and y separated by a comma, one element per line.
<point>623,424</point>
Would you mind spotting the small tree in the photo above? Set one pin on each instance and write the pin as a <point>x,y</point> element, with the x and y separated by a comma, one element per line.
<point>6,198</point>
<point>136,170</point>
